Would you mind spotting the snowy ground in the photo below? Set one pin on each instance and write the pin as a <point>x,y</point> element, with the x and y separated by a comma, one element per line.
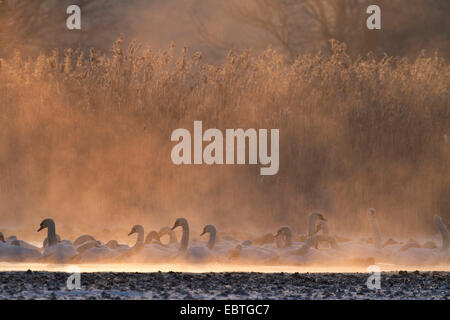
<point>239,285</point>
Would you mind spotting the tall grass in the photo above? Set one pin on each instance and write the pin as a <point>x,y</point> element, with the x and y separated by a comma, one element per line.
<point>90,132</point>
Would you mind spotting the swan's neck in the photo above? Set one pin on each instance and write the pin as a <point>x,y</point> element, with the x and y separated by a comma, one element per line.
<point>287,240</point>
<point>212,239</point>
<point>279,241</point>
<point>325,229</point>
<point>51,234</point>
<point>140,238</point>
<point>173,236</point>
<point>185,238</point>
<point>444,233</point>
<point>312,225</point>
<point>375,231</point>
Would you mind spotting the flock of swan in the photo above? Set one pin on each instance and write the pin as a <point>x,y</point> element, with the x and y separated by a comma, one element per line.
<point>317,247</point>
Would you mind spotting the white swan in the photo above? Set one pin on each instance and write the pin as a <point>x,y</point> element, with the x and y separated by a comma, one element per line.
<point>198,253</point>
<point>95,251</point>
<point>251,254</point>
<point>114,244</point>
<point>311,240</point>
<point>13,240</point>
<point>142,252</point>
<point>82,239</point>
<point>152,237</point>
<point>13,252</point>
<point>168,231</point>
<point>45,242</point>
<point>56,251</point>
<point>443,230</point>
<point>427,255</point>
<point>283,237</point>
<point>220,248</point>
<point>324,236</point>
<point>247,252</point>
<point>309,252</point>
<point>377,237</point>
<point>376,232</point>
<point>212,235</point>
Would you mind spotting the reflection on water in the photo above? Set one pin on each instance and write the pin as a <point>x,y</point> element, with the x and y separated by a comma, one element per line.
<point>199,268</point>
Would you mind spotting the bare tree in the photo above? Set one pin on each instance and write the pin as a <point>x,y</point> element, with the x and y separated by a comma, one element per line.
<point>408,26</point>
<point>42,23</point>
<point>295,25</point>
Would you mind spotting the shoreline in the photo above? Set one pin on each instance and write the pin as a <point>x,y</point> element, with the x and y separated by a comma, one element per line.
<point>225,285</point>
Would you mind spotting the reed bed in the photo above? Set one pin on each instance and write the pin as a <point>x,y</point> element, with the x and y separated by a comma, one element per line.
<point>90,131</point>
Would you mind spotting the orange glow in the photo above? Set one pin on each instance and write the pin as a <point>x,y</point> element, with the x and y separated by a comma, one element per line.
<point>210,268</point>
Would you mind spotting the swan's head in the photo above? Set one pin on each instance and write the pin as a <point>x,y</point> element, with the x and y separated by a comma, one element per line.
<point>372,212</point>
<point>180,222</point>
<point>208,228</point>
<point>46,223</point>
<point>112,244</point>
<point>153,235</point>
<point>136,229</point>
<point>318,216</point>
<point>438,222</point>
<point>283,231</point>
<point>164,230</point>
<point>322,226</point>
<point>2,238</point>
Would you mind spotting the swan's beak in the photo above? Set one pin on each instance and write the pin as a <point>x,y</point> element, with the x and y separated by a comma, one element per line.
<point>203,233</point>
<point>174,226</point>
<point>131,233</point>
<point>323,219</point>
<point>40,228</point>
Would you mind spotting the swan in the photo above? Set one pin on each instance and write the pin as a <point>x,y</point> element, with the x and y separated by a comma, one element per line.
<point>311,240</point>
<point>443,230</point>
<point>325,236</point>
<point>377,238</point>
<point>45,242</point>
<point>56,251</point>
<point>82,239</point>
<point>95,251</point>
<point>12,240</point>
<point>146,252</point>
<point>308,252</point>
<point>168,231</point>
<point>284,242</point>
<point>267,238</point>
<point>195,253</point>
<point>427,255</point>
<point>248,253</point>
<point>152,237</point>
<point>13,252</point>
<point>283,237</point>
<point>411,252</point>
<point>114,244</point>
<point>220,248</point>
<point>212,235</point>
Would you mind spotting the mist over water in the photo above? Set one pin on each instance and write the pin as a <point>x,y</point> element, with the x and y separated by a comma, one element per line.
<point>85,139</point>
